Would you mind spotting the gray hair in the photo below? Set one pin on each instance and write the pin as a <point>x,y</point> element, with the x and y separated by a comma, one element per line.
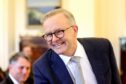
<point>18,55</point>
<point>66,13</point>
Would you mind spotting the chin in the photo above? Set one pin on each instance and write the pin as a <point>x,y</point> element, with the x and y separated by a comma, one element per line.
<point>59,51</point>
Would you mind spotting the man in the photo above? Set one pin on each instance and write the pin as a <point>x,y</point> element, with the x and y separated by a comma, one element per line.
<point>18,70</point>
<point>96,56</point>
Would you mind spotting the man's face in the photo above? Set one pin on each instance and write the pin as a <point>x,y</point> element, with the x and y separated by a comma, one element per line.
<point>67,44</point>
<point>20,70</point>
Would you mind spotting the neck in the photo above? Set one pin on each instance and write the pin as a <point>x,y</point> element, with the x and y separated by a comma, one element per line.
<point>72,51</point>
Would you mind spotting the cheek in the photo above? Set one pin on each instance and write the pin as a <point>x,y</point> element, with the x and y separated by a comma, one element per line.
<point>18,71</point>
<point>49,44</point>
<point>28,71</point>
<point>15,70</point>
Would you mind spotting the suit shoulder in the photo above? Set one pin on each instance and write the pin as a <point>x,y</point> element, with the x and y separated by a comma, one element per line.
<point>93,39</point>
<point>7,80</point>
<point>96,43</point>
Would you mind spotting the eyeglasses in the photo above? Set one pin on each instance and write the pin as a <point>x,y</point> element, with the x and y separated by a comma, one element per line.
<point>58,34</point>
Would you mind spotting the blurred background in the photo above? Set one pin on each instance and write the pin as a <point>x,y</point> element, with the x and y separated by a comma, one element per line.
<point>95,18</point>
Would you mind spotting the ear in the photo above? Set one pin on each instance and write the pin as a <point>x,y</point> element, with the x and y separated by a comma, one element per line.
<point>75,28</point>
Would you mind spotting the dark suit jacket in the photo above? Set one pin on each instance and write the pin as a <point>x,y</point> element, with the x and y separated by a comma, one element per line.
<point>50,69</point>
<point>7,80</point>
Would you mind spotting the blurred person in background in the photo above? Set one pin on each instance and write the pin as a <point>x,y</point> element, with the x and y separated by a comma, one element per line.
<point>18,70</point>
<point>28,51</point>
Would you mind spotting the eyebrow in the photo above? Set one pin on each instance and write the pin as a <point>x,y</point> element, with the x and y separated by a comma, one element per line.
<point>53,32</point>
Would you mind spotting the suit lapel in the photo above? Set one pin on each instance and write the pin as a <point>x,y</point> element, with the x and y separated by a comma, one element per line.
<point>60,69</point>
<point>8,80</point>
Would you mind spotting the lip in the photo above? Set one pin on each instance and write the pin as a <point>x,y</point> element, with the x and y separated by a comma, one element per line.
<point>58,45</point>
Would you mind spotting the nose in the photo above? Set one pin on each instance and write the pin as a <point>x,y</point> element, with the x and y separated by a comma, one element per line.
<point>25,70</point>
<point>54,38</point>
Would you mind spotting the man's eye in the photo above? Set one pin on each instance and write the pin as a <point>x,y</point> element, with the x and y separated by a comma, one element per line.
<point>58,32</point>
<point>50,34</point>
<point>21,67</point>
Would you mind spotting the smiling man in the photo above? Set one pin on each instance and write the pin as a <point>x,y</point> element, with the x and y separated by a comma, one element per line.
<point>70,60</point>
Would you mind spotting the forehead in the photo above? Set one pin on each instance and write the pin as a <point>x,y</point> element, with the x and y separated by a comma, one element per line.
<point>22,62</point>
<point>55,21</point>
<point>27,48</point>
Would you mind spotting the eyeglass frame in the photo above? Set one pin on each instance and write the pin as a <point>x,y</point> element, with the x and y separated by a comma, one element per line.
<point>56,33</point>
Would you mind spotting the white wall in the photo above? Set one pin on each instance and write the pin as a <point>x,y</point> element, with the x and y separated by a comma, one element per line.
<point>7,31</point>
<point>4,25</point>
<point>111,22</point>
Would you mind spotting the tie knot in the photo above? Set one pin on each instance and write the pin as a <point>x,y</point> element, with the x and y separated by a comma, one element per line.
<point>75,59</point>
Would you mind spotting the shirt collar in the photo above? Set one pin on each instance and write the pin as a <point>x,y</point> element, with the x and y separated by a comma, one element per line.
<point>65,58</point>
<point>13,79</point>
<point>79,53</point>
<point>80,50</point>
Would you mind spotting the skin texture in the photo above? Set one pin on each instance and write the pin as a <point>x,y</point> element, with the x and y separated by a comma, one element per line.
<point>20,69</point>
<point>66,45</point>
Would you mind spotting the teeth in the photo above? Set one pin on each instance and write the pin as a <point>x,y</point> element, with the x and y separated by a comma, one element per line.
<point>58,45</point>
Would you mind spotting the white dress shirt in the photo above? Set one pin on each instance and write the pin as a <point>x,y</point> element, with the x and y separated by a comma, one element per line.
<point>88,74</point>
<point>13,79</point>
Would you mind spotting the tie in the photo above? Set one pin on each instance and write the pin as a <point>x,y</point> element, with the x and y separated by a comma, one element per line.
<point>77,71</point>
